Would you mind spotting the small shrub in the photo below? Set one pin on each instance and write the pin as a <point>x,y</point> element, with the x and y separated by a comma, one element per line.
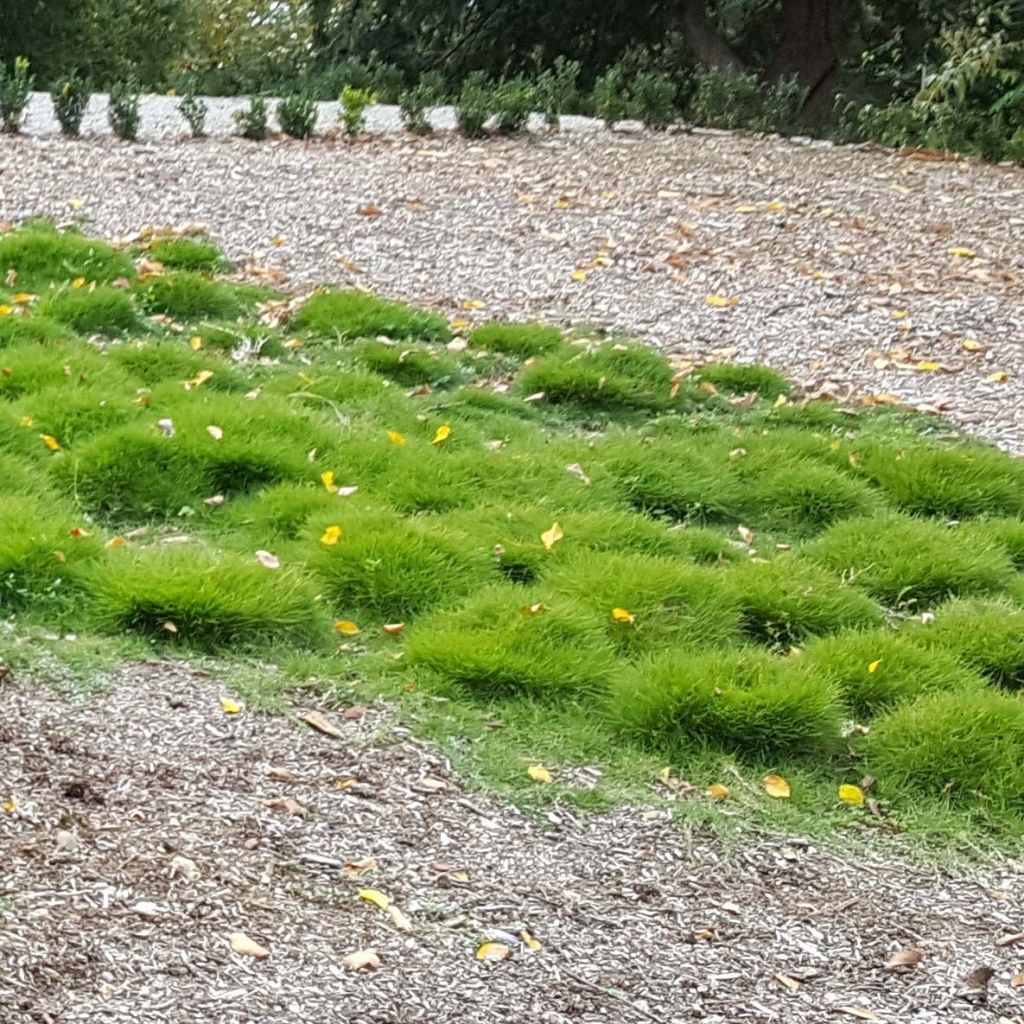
<point>750,703</point>
<point>15,86</point>
<point>520,340</point>
<point>962,748</point>
<point>41,256</point>
<point>514,100</point>
<point>1006,534</point>
<point>903,561</point>
<point>877,669</point>
<point>407,365</point>
<point>186,254</point>
<point>558,89</point>
<point>187,295</point>
<point>727,99</point>
<point>354,314</point>
<point>353,108</point>
<point>474,105</point>
<point>123,109</point>
<point>655,95</point>
<point>784,602</point>
<point>296,113</point>
<point>987,635</point>
<point>413,104</point>
<point>613,99</point>
<point>212,601</point>
<point>252,121</point>
<point>743,378</point>
<point>71,414</point>
<point>100,310</point>
<point>194,110</point>
<point>491,648</point>
<point>70,98</point>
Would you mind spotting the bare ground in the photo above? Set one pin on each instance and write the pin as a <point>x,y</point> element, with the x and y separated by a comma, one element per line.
<point>861,273</point>
<point>637,921</point>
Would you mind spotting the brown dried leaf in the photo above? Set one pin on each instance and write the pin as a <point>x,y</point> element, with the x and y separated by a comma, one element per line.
<point>244,946</point>
<point>285,804</point>
<point>361,960</point>
<point>354,713</point>
<point>904,958</point>
<point>321,723</point>
<point>369,210</point>
<point>858,1011</point>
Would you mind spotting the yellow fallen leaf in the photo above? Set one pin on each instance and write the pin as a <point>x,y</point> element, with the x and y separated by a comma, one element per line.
<point>399,919</point>
<point>442,433</point>
<point>717,791</point>
<point>277,240</point>
<point>361,960</point>
<point>292,344</point>
<point>623,615</point>
<point>859,1011</point>
<point>780,402</point>
<point>393,628</point>
<point>775,207</point>
<point>958,250</point>
<point>899,314</point>
<point>195,343</point>
<point>6,310</point>
<point>116,542</point>
<point>10,806</point>
<point>50,441</point>
<point>999,377</point>
<point>376,897</point>
<point>331,535</point>
<point>76,203</point>
<point>395,437</point>
<point>473,304</point>
<point>22,297</point>
<point>26,421</point>
<point>563,202</point>
<point>746,534</point>
<point>198,380</point>
<point>874,665</point>
<point>851,795</point>
<point>746,208</point>
<point>244,946</point>
<point>327,479</point>
<point>549,538</point>
<point>529,941</point>
<point>720,301</point>
<point>534,609</point>
<point>77,531</point>
<point>493,951</point>
<point>347,627</point>
<point>578,276</point>
<point>458,324</point>
<point>776,786</point>
<point>538,773</point>
<point>928,366</point>
<point>972,345</point>
<point>78,282</point>
<point>231,707</point>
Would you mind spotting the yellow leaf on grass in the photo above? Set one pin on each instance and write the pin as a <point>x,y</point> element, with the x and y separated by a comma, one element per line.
<point>116,542</point>
<point>395,437</point>
<point>623,615</point>
<point>958,250</point>
<point>534,609</point>
<point>493,951</point>
<point>77,531</point>
<point>327,479</point>
<point>717,791</point>
<point>459,324</point>
<point>780,402</point>
<point>376,897</point>
<point>442,433</point>
<point>549,538</point>
<point>776,786</point>
<point>6,310</point>
<point>999,377</point>
<point>231,707</point>
<point>198,380</point>
<point>720,301</point>
<point>215,432</point>
<point>851,795</point>
<point>78,282</point>
<point>50,441</point>
<point>538,773</point>
<point>26,421</point>
<point>195,343</point>
<point>22,297</point>
<point>331,535</point>
<point>347,627</point>
<point>874,665</point>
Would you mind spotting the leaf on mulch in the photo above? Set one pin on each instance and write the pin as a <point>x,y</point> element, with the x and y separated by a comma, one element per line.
<point>493,951</point>
<point>285,804</point>
<point>244,946</point>
<point>354,713</point>
<point>230,707</point>
<point>904,958</point>
<point>362,960</point>
<point>376,897</point>
<point>1011,939</point>
<point>784,979</point>
<point>369,210</point>
<point>1017,981</point>
<point>360,867</point>
<point>321,723</point>
<point>399,919</point>
<point>858,1011</point>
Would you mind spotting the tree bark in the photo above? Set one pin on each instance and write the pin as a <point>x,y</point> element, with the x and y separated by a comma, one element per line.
<point>704,39</point>
<point>808,34</point>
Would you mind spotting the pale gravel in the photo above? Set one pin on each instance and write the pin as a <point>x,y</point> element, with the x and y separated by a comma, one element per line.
<point>638,920</point>
<point>858,235</point>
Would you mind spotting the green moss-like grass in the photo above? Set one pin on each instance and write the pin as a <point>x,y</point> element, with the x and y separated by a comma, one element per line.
<point>743,378</point>
<point>32,328</point>
<point>185,294</point>
<point>520,340</point>
<point>355,314</point>
<point>41,256</point>
<point>187,254</point>
<point>100,310</point>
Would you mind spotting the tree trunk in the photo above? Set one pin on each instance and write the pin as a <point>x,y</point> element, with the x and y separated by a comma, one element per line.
<point>707,43</point>
<point>808,33</point>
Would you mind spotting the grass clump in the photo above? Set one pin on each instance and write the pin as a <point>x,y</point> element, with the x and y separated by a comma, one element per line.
<point>1006,534</point>
<point>876,669</point>
<point>186,295</point>
<point>748,702</point>
<point>962,748</point>
<point>520,340</point>
<point>171,363</point>
<point>409,366</point>
<point>353,314</point>
<point>102,309</point>
<point>187,254</point>
<point>744,378</point>
<point>194,596</point>
<point>903,561</point>
<point>28,368</point>
<point>495,646</point>
<point>34,329</point>
<point>40,256</point>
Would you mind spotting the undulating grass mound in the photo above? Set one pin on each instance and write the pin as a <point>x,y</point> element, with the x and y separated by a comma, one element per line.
<point>749,702</point>
<point>909,562</point>
<point>539,546</point>
<point>358,315</point>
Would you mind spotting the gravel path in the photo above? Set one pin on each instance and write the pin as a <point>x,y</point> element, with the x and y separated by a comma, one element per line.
<point>143,828</point>
<point>858,272</point>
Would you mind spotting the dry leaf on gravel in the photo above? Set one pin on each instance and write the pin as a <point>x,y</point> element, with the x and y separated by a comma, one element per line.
<point>244,946</point>
<point>376,897</point>
<point>229,706</point>
<point>399,919</point>
<point>362,960</point>
<point>321,723</point>
<point>285,805</point>
<point>862,1012</point>
<point>1010,939</point>
<point>493,951</point>
<point>904,958</point>
<point>354,713</point>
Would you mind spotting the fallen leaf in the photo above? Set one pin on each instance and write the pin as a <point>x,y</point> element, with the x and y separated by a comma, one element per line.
<point>623,615</point>
<point>746,534</point>
<point>360,867</point>
<point>551,537</point>
<point>1017,981</point>
<point>579,276</point>
<point>244,946</point>
<point>347,492</point>
<point>999,377</point>
<point>493,951</point>
<point>26,421</point>
<point>899,314</point>
<point>399,920</point>
<point>354,713</point>
<point>285,804</point>
<point>50,441</point>
<point>473,304</point>
<point>720,301</point>
<point>346,627</point>
<point>22,297</point>
<point>77,531</point>
<point>327,479</point>
<point>361,960</point>
<point>321,723</point>
<point>859,1011</point>
<point>928,366</point>
<point>538,773</point>
<point>1010,939</point>
<point>853,796</point>
<point>395,437</point>
<point>442,433</point>
<point>231,707</point>
<point>215,501</point>
<point>267,560</point>
<point>529,941</point>
<point>534,609</point>
<point>331,535</point>
<point>369,210</point>
<point>746,208</point>
<point>904,958</point>
<point>115,542</point>
<point>874,665</point>
<point>576,470</point>
<point>958,250</point>
<point>717,791</point>
<point>376,897</point>
<point>776,786</point>
<point>198,380</point>
<point>971,345</point>
<point>784,979</point>
<point>195,343</point>
<point>393,628</point>
<point>215,432</point>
